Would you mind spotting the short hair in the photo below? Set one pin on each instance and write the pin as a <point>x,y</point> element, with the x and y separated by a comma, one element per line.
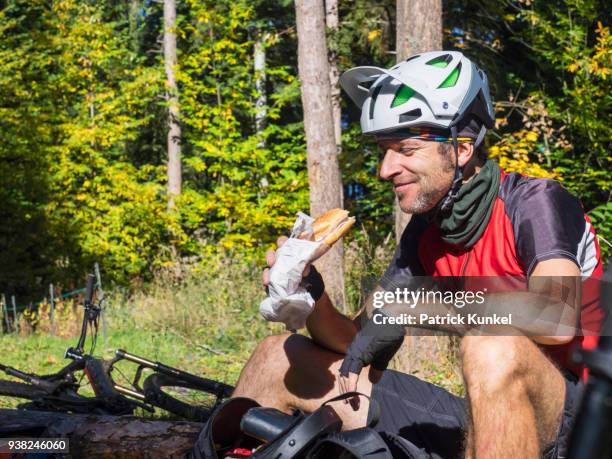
<point>446,148</point>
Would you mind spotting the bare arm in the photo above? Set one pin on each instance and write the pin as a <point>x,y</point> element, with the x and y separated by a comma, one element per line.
<point>332,329</point>
<point>557,267</point>
<point>329,328</point>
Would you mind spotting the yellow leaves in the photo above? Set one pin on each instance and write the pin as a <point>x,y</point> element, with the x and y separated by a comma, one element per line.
<point>597,64</point>
<point>515,151</point>
<point>240,241</point>
<point>203,17</point>
<point>601,60</point>
<point>373,35</point>
<point>531,136</point>
<point>499,122</point>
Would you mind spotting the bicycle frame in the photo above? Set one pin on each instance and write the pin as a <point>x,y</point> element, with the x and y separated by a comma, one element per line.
<point>98,372</point>
<point>219,389</point>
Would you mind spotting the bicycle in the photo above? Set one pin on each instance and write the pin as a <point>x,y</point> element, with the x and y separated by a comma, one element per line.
<point>60,391</point>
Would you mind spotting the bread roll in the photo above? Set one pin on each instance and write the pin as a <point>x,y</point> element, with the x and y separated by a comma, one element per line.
<point>330,227</point>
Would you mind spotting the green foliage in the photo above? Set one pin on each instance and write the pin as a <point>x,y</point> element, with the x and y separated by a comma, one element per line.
<point>254,182</point>
<point>112,210</point>
<point>601,217</point>
<point>549,66</point>
<point>84,119</point>
<point>577,47</point>
<point>27,121</point>
<point>367,197</point>
<point>85,114</point>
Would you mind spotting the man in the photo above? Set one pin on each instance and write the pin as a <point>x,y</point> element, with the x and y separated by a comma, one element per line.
<point>429,114</point>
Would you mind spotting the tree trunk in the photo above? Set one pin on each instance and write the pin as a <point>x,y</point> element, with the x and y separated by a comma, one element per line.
<point>331,21</point>
<point>323,169</point>
<point>261,101</point>
<point>97,437</point>
<point>174,128</point>
<point>419,29</point>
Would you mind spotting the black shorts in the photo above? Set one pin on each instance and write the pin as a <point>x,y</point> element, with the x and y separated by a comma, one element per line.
<point>434,419</point>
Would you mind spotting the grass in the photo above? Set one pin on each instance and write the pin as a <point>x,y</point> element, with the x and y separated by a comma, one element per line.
<point>205,322</point>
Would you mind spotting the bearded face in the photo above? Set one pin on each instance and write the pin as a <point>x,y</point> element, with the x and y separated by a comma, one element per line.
<point>421,172</point>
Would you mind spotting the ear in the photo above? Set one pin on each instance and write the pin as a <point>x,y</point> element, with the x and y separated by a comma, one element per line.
<point>466,153</point>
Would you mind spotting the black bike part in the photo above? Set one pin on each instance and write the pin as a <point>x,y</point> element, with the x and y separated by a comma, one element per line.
<point>265,424</point>
<point>222,433</point>
<point>43,401</point>
<point>35,381</point>
<point>207,385</point>
<point>89,315</point>
<point>296,442</point>
<point>97,374</point>
<point>89,288</point>
<point>155,394</point>
<point>353,444</point>
<point>590,438</point>
<point>20,390</point>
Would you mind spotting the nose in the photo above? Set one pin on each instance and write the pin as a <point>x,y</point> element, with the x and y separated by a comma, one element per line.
<point>391,165</point>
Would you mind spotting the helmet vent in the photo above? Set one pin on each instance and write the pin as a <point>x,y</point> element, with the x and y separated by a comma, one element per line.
<point>451,79</point>
<point>366,84</point>
<point>410,58</point>
<point>375,93</point>
<point>403,95</point>
<point>410,116</point>
<point>441,61</point>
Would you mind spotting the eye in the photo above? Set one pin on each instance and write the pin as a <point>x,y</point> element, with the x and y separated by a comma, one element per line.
<point>407,151</point>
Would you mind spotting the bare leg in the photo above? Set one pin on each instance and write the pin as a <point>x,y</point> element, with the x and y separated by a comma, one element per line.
<point>515,396</point>
<point>291,372</point>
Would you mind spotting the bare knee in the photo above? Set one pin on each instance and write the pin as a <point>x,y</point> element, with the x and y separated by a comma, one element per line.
<point>492,365</point>
<point>271,345</point>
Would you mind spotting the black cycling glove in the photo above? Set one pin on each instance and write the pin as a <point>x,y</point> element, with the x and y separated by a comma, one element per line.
<point>375,344</point>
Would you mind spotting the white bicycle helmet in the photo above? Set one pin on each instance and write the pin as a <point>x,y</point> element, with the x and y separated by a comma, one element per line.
<point>435,90</point>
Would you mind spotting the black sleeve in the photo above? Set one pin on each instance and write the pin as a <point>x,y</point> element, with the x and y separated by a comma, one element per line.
<point>405,263</point>
<point>548,222</point>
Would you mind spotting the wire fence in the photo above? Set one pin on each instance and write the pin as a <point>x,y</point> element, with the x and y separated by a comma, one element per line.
<point>11,312</point>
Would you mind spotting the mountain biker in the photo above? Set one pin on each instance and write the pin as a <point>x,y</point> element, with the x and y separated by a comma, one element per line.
<point>429,114</point>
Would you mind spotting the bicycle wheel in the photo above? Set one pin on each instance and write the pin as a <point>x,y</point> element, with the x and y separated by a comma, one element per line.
<point>20,390</point>
<point>186,399</point>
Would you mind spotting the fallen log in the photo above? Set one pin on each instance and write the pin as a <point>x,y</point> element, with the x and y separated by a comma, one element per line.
<point>101,437</point>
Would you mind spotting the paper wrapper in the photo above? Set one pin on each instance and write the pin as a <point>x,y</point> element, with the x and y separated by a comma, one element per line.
<point>288,301</point>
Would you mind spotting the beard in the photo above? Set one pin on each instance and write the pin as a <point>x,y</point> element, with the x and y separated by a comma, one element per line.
<point>432,189</point>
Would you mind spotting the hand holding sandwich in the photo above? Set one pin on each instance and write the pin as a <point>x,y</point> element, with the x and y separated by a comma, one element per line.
<point>292,284</point>
<point>328,229</point>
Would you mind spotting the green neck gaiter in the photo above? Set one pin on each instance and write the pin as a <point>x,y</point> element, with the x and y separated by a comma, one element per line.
<point>470,214</point>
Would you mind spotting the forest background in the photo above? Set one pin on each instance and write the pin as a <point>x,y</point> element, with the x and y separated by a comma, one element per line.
<point>84,105</point>
<point>83,121</point>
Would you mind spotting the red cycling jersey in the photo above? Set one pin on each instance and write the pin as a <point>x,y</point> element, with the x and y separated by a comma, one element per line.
<point>532,220</point>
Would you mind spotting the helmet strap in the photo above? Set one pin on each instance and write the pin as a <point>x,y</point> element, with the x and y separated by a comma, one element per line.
<point>481,134</point>
<point>451,196</point>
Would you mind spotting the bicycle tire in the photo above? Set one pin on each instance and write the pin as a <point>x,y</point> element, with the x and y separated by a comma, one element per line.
<point>156,395</point>
<point>20,390</point>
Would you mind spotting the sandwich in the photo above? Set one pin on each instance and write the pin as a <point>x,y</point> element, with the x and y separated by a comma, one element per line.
<point>329,227</point>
